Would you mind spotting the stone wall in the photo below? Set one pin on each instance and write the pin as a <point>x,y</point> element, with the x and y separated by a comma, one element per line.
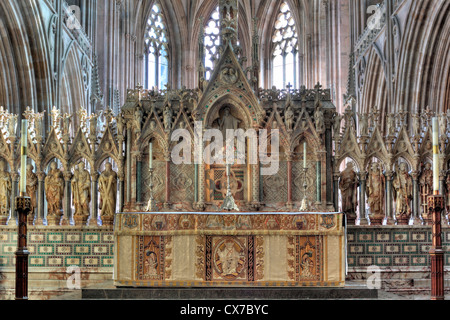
<point>52,251</point>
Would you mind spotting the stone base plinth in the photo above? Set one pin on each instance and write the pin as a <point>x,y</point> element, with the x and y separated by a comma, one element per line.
<point>80,220</point>
<point>108,221</point>
<point>53,221</point>
<point>3,221</point>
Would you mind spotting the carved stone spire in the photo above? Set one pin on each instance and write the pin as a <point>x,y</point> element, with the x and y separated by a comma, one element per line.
<point>229,18</point>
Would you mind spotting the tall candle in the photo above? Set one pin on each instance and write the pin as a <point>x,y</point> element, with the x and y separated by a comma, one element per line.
<point>23,158</point>
<point>436,155</point>
<point>151,155</point>
<point>304,155</point>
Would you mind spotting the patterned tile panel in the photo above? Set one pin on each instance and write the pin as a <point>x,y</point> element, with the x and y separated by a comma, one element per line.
<point>61,248</point>
<point>392,247</point>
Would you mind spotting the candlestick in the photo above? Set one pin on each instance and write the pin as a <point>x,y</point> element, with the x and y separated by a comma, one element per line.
<point>151,156</point>
<point>23,158</point>
<point>304,155</point>
<point>436,155</point>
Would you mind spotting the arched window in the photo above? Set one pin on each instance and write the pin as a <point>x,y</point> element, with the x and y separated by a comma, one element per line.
<point>212,41</point>
<point>285,50</point>
<point>156,58</point>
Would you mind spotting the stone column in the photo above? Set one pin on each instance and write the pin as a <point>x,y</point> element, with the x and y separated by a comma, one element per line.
<point>329,163</point>
<point>201,180</point>
<point>40,199</point>
<point>138,179</point>
<point>336,191</point>
<point>319,183</point>
<point>442,178</point>
<point>167,199</point>
<point>289,203</point>
<point>362,199</point>
<point>94,199</point>
<point>15,177</point>
<point>128,159</point>
<point>67,202</point>
<point>415,205</point>
<point>121,176</point>
<point>390,219</point>
<point>255,186</point>
<point>195,183</point>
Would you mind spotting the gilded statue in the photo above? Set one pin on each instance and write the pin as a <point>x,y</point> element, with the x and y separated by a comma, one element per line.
<point>403,194</point>
<point>81,185</point>
<point>54,191</point>
<point>349,190</point>
<point>32,185</point>
<point>375,193</point>
<point>107,186</point>
<point>5,189</point>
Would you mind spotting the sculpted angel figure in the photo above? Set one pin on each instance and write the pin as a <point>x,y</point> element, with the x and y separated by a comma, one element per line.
<point>107,186</point>
<point>376,190</point>
<point>5,189</point>
<point>54,191</point>
<point>349,189</point>
<point>81,186</point>
<point>403,193</point>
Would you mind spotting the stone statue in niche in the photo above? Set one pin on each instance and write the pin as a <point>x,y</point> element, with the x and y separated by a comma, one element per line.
<point>228,122</point>
<point>5,192</point>
<point>375,194</point>
<point>107,186</point>
<point>81,185</point>
<point>447,182</point>
<point>138,116</point>
<point>289,118</point>
<point>54,191</point>
<point>363,124</point>
<point>426,187</point>
<point>319,118</point>
<point>337,125</point>
<point>32,185</point>
<point>416,125</point>
<point>390,126</point>
<point>168,114</point>
<point>349,189</point>
<point>403,194</point>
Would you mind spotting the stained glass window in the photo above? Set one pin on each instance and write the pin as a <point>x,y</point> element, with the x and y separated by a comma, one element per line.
<point>212,41</point>
<point>285,49</point>
<point>156,57</point>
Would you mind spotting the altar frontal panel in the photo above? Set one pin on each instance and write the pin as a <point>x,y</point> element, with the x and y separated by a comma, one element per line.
<point>213,250</point>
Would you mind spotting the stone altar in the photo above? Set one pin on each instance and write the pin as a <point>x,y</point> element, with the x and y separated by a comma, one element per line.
<point>229,250</point>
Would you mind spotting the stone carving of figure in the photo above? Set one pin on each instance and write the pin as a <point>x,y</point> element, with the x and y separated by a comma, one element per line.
<point>120,124</point>
<point>416,125</point>
<point>390,125</point>
<point>107,186</point>
<point>349,189</point>
<point>319,118</point>
<point>337,125</point>
<point>229,258</point>
<point>375,191</point>
<point>12,125</point>
<point>32,184</point>
<point>363,124</point>
<point>426,185</point>
<point>138,119</point>
<point>228,122</point>
<point>54,190</point>
<point>168,114</point>
<point>289,118</point>
<point>81,186</point>
<point>5,189</point>
<point>447,182</point>
<point>151,264</point>
<point>403,194</point>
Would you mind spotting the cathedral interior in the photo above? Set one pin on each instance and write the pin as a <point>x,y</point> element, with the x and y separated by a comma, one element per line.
<point>340,119</point>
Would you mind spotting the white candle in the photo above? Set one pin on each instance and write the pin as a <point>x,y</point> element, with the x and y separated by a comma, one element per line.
<point>304,155</point>
<point>151,155</point>
<point>436,155</point>
<point>23,158</point>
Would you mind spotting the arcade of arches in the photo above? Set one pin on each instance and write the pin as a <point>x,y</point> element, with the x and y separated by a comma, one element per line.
<point>338,95</point>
